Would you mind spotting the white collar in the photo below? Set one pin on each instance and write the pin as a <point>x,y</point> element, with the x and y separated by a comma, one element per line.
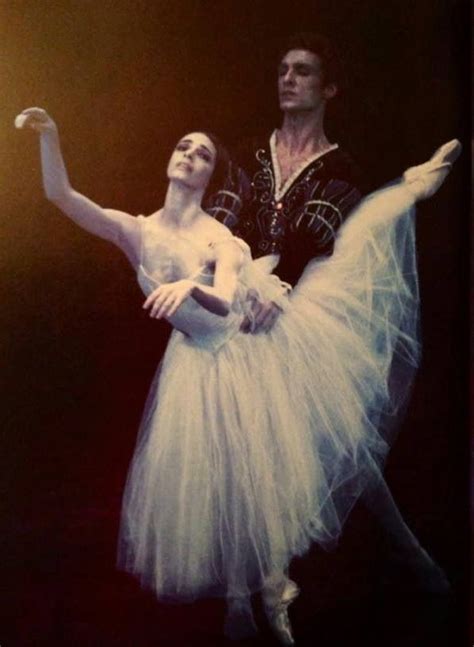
<point>281,190</point>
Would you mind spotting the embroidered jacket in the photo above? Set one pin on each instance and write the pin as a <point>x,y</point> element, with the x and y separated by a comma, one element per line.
<point>298,220</point>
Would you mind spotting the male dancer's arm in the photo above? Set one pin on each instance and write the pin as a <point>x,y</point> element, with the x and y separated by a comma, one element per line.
<point>228,202</point>
<point>314,231</point>
<point>313,234</point>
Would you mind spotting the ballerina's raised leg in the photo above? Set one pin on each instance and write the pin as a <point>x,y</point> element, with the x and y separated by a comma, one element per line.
<point>417,183</point>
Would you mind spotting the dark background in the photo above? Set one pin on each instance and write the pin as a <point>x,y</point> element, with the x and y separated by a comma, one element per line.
<point>124,80</point>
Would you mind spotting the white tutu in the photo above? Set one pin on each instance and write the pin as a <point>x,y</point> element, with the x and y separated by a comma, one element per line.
<point>254,446</point>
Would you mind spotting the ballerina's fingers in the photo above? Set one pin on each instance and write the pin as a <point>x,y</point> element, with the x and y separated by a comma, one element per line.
<point>26,121</point>
<point>247,324</point>
<point>155,300</point>
<point>266,317</point>
<point>163,299</point>
<point>167,298</point>
<point>168,306</point>
<point>270,319</point>
<point>151,298</point>
<point>34,118</point>
<point>175,305</point>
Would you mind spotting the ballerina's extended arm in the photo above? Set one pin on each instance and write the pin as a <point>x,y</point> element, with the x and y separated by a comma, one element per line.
<point>112,225</point>
<point>166,299</point>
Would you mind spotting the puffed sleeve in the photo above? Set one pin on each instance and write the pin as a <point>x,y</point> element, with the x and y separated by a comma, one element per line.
<point>226,204</point>
<point>331,202</point>
<point>314,230</point>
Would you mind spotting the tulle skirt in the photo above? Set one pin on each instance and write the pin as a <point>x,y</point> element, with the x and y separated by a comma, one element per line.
<point>248,454</point>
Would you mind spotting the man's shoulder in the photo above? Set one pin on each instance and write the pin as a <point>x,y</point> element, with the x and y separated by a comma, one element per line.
<point>340,162</point>
<point>340,165</point>
<point>247,147</point>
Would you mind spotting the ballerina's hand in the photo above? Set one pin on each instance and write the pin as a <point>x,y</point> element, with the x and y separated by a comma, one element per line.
<point>264,316</point>
<point>36,119</point>
<point>166,299</point>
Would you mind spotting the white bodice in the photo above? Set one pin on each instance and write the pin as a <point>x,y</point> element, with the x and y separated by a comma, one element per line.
<point>165,258</point>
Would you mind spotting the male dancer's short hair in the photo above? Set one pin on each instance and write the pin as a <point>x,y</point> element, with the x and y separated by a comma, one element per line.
<point>331,61</point>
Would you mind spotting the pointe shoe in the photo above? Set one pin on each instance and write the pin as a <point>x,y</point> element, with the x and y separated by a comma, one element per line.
<point>425,179</point>
<point>276,609</point>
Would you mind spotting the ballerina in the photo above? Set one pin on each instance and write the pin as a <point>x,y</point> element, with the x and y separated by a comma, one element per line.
<point>253,447</point>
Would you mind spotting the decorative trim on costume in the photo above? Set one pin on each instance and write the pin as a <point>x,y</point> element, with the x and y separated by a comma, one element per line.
<point>279,189</point>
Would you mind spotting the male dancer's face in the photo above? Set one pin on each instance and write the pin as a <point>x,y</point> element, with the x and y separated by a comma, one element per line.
<point>300,81</point>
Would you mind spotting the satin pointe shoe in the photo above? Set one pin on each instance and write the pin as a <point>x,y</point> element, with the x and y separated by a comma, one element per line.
<point>425,179</point>
<point>276,602</point>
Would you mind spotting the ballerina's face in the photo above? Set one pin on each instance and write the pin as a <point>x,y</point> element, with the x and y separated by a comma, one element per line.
<point>192,161</point>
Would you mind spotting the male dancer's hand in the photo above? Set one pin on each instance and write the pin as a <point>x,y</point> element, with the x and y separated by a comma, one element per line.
<point>264,316</point>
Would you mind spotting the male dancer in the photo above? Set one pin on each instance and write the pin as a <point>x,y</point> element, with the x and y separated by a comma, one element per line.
<point>293,192</point>
<point>296,188</point>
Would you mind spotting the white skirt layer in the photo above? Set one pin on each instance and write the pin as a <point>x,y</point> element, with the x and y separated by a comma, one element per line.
<point>249,454</point>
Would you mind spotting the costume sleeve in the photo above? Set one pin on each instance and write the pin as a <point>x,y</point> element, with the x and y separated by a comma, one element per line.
<point>331,202</point>
<point>313,232</point>
<point>227,203</point>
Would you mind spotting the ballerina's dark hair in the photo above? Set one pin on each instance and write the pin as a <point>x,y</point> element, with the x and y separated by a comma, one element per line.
<point>221,167</point>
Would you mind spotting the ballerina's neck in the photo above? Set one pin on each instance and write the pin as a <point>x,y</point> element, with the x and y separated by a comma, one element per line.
<point>182,206</point>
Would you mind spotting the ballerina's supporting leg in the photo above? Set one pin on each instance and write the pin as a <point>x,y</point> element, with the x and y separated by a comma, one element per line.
<point>239,622</point>
<point>277,595</point>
